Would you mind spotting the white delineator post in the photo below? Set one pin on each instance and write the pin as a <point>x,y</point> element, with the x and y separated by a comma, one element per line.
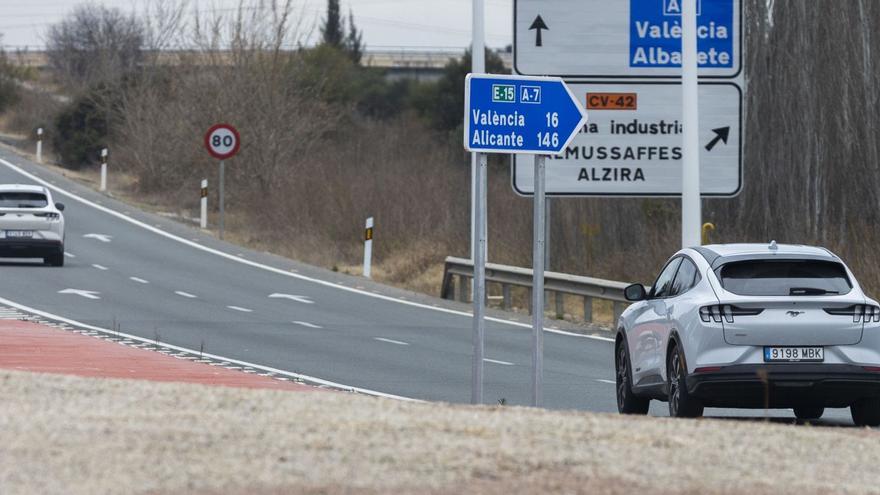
<point>478,233</point>
<point>368,247</point>
<point>203,218</point>
<point>104,169</point>
<point>691,209</point>
<point>40,145</point>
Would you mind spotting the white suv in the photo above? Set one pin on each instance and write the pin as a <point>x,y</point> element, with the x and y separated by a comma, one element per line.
<point>31,224</point>
<point>751,326</point>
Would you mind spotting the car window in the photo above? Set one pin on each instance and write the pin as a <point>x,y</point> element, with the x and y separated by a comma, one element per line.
<point>22,200</point>
<point>685,278</point>
<point>664,280</point>
<point>784,278</point>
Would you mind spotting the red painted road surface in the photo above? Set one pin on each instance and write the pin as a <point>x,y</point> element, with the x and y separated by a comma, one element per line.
<point>28,346</point>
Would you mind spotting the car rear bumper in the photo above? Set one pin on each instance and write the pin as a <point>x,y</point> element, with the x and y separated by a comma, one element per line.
<point>784,385</point>
<point>29,248</point>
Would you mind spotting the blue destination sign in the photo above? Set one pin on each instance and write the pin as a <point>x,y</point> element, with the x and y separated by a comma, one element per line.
<point>520,114</point>
<point>656,31</point>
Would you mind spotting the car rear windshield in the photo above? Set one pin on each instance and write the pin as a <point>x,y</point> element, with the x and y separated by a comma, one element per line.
<point>22,200</point>
<point>784,278</point>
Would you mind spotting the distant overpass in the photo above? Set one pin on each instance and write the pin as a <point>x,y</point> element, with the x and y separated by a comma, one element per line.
<point>419,64</point>
<point>423,64</point>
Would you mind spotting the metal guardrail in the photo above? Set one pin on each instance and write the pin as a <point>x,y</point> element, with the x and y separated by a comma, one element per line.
<point>559,284</point>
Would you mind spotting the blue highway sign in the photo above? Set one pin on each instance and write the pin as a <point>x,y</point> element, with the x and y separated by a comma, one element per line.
<point>520,114</point>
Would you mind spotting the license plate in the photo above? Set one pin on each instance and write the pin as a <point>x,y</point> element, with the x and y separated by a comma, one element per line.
<point>19,234</point>
<point>794,354</point>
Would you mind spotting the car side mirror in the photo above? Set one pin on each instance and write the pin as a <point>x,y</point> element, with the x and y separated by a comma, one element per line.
<point>635,293</point>
<point>59,206</point>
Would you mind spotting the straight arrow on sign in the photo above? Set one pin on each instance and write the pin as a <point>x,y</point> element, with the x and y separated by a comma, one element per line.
<point>538,26</point>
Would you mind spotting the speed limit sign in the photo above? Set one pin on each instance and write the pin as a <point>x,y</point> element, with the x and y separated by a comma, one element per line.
<point>222,141</point>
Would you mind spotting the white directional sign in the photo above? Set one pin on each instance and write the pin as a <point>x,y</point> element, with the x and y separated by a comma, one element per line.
<point>621,39</point>
<point>632,144</point>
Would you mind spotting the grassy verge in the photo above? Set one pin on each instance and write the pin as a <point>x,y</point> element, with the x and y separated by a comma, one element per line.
<point>72,435</point>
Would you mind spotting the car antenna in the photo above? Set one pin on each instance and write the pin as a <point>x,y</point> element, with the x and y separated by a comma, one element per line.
<point>773,246</point>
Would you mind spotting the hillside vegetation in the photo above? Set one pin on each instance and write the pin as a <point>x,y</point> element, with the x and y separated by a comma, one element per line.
<point>327,142</point>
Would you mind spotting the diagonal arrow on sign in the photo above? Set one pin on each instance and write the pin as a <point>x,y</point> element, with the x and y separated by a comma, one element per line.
<point>99,237</point>
<point>300,299</point>
<point>721,134</point>
<point>88,294</point>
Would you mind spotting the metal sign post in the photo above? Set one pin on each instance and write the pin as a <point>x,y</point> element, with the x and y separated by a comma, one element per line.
<point>479,280</point>
<point>691,207</point>
<point>221,199</point>
<point>538,283</point>
<point>515,114</point>
<point>222,141</point>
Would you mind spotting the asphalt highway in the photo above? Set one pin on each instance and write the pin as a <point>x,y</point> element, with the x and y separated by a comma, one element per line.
<point>152,277</point>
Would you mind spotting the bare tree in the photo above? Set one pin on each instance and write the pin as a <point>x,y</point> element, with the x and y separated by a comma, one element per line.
<point>95,43</point>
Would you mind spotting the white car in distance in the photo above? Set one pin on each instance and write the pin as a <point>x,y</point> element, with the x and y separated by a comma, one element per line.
<point>31,224</point>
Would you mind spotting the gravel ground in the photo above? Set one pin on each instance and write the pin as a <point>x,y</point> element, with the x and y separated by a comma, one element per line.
<point>61,434</point>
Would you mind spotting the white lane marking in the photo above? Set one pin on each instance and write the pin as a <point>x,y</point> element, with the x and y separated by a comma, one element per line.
<point>69,255</point>
<point>391,341</point>
<point>611,382</point>
<point>185,294</point>
<point>99,267</point>
<point>138,280</point>
<point>307,324</point>
<point>268,268</point>
<point>300,299</point>
<point>88,294</point>
<point>99,237</point>
<point>239,308</point>
<point>300,376</point>
<point>505,363</point>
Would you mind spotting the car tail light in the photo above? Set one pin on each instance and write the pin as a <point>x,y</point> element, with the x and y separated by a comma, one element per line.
<point>708,369</point>
<point>716,312</point>
<point>50,215</point>
<point>859,312</point>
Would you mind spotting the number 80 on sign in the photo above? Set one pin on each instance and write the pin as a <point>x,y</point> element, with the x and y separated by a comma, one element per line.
<point>222,141</point>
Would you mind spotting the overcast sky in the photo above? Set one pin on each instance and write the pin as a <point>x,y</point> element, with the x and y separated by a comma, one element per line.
<point>385,23</point>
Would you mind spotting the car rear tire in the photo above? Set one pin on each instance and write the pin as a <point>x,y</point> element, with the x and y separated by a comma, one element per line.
<point>55,259</point>
<point>866,412</point>
<point>681,403</point>
<point>627,401</point>
<point>806,413</point>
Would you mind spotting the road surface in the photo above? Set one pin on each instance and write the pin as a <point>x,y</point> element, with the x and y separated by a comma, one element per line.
<point>151,277</point>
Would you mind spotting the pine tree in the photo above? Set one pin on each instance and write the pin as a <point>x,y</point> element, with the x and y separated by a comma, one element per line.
<point>332,30</point>
<point>354,46</point>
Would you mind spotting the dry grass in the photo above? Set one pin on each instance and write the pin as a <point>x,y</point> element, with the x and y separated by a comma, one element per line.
<point>71,435</point>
